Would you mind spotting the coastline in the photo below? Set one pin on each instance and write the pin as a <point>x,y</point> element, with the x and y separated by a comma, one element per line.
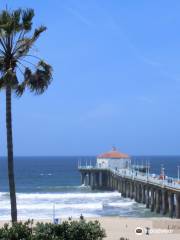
<point>116,227</point>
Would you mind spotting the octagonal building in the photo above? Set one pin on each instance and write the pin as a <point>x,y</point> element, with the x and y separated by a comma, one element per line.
<point>113,159</point>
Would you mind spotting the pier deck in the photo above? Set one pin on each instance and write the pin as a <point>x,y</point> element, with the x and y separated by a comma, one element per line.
<point>158,195</point>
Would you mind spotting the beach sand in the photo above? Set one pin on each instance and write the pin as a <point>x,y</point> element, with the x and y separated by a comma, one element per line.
<point>116,227</point>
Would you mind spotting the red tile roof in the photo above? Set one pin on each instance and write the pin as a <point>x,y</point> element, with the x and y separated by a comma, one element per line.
<point>113,154</point>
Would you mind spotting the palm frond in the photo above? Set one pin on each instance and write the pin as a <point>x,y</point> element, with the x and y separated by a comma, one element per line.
<point>16,19</point>
<point>41,78</point>
<point>27,17</point>
<point>5,17</point>
<point>25,44</point>
<point>37,81</point>
<point>10,21</point>
<point>20,89</point>
<point>38,32</point>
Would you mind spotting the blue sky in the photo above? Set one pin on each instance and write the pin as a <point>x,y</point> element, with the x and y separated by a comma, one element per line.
<point>116,79</point>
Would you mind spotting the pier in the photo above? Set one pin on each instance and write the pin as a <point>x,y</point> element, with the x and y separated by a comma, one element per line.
<point>159,195</point>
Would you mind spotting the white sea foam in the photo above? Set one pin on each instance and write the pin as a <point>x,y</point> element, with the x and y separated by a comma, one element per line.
<point>65,195</point>
<point>40,205</point>
<point>49,206</point>
<point>4,194</point>
<point>120,204</point>
<point>49,196</point>
<point>46,174</point>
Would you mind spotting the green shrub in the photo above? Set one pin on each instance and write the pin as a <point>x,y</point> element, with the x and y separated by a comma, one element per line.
<point>67,230</point>
<point>19,231</point>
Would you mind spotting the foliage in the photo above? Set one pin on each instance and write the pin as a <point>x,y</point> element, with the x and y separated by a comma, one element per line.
<point>17,39</point>
<point>67,230</point>
<point>19,231</point>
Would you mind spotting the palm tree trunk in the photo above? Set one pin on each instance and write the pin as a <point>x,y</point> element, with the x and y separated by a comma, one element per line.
<point>12,188</point>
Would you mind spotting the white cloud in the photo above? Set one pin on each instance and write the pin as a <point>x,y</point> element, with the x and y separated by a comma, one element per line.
<point>79,16</point>
<point>100,112</point>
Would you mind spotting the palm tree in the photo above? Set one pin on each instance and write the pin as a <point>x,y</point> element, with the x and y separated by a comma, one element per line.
<point>19,72</point>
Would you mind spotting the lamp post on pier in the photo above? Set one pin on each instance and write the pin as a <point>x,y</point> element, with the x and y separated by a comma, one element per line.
<point>163,174</point>
<point>178,167</point>
<point>146,170</point>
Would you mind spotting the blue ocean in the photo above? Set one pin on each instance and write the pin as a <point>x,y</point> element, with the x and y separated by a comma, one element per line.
<point>44,183</point>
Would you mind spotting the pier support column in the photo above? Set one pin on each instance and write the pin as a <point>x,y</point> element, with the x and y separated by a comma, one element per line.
<point>152,200</point>
<point>96,182</point>
<point>114,183</point>
<point>177,205</point>
<point>143,194</point>
<point>117,184</point>
<point>100,179</point>
<point>135,192</point>
<point>89,179</point>
<point>111,183</point>
<point>121,186</point>
<point>83,175</point>
<point>131,190</point>
<point>132,196</point>
<point>138,193</point>
<point>122,193</point>
<point>127,190</point>
<point>86,179</point>
<point>157,201</point>
<point>92,180</point>
<point>124,189</point>
<point>109,180</point>
<point>171,204</point>
<point>147,197</point>
<point>165,204</point>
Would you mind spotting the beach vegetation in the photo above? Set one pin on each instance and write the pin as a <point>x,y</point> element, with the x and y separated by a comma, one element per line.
<point>20,69</point>
<point>67,230</point>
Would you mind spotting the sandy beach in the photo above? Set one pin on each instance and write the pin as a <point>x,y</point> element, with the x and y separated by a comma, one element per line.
<point>116,227</point>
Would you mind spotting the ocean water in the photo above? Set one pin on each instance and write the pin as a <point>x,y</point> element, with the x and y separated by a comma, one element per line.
<point>44,183</point>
